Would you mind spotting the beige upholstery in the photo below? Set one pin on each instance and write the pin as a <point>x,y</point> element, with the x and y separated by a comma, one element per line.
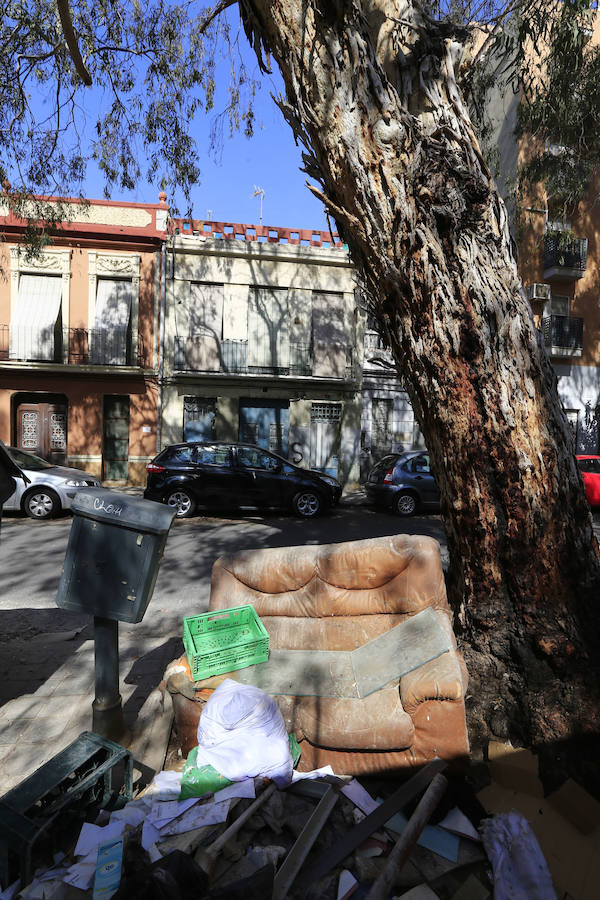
<point>338,597</point>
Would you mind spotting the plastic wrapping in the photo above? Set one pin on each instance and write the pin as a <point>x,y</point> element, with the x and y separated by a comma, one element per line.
<point>242,734</point>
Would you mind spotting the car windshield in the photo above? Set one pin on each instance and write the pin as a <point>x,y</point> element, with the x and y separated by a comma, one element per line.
<point>28,460</point>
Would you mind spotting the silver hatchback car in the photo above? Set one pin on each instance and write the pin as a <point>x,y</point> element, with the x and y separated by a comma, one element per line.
<point>51,488</point>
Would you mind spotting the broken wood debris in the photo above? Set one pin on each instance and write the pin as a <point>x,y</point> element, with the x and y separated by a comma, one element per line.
<point>296,842</point>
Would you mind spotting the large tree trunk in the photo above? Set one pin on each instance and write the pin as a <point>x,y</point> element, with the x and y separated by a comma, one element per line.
<point>372,94</point>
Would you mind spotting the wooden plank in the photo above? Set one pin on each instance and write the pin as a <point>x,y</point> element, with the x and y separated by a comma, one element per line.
<point>293,862</point>
<point>422,814</point>
<point>334,855</point>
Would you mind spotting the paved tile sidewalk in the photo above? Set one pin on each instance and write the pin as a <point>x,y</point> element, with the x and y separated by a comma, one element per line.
<point>36,726</point>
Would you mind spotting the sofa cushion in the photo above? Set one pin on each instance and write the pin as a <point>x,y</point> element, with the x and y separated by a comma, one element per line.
<point>395,575</point>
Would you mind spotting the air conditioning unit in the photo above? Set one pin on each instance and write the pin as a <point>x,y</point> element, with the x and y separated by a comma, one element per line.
<point>539,292</point>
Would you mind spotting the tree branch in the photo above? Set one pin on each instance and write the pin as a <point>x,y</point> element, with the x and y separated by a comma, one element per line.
<point>69,32</point>
<point>216,11</point>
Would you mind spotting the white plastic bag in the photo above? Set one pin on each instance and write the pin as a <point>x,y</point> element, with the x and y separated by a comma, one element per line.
<point>242,734</point>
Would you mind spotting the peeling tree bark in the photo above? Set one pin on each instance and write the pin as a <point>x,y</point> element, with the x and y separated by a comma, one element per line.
<point>371,92</point>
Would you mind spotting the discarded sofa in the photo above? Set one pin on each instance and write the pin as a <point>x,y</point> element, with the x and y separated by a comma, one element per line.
<point>338,597</point>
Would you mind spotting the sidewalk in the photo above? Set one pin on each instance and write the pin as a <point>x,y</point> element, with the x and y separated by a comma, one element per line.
<point>39,723</point>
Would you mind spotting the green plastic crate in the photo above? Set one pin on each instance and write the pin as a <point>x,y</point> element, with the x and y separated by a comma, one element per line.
<point>224,640</point>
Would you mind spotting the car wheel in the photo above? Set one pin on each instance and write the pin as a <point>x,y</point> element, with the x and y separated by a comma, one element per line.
<point>183,502</point>
<point>307,504</point>
<point>406,504</point>
<point>41,503</point>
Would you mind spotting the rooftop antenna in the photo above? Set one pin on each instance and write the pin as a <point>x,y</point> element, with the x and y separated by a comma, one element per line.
<point>208,215</point>
<point>259,192</point>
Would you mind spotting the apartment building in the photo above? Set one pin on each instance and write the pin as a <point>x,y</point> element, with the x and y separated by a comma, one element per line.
<point>79,338</point>
<point>559,264</point>
<point>263,343</point>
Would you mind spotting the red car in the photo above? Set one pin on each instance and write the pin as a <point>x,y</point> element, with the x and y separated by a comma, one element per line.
<point>590,470</point>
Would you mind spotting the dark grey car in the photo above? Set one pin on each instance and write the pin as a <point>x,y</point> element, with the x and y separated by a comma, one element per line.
<point>404,483</point>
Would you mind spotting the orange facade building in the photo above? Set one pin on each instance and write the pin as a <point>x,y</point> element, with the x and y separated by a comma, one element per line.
<point>79,342</point>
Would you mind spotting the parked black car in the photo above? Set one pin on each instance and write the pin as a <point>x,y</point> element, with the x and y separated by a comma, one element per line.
<point>403,482</point>
<point>218,475</point>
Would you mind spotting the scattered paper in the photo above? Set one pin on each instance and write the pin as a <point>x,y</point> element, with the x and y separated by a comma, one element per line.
<point>10,891</point>
<point>93,835</point>
<point>150,835</point>
<point>154,853</point>
<point>355,792</point>
<point>165,785</point>
<point>316,773</point>
<point>81,875</point>
<point>458,823</point>
<point>239,789</point>
<point>196,817</point>
<point>164,811</point>
<point>133,813</point>
<point>432,837</point>
<point>346,885</point>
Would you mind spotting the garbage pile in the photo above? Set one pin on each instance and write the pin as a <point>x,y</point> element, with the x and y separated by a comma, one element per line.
<point>239,822</point>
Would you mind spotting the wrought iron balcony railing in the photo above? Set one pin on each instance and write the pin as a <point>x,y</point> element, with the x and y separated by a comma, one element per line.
<point>238,357</point>
<point>563,335</point>
<point>564,259</point>
<point>70,346</point>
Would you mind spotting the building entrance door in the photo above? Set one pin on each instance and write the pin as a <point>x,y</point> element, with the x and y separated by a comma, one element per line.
<point>115,438</point>
<point>42,429</point>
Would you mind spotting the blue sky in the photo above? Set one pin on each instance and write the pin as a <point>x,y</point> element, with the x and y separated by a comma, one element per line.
<point>269,160</point>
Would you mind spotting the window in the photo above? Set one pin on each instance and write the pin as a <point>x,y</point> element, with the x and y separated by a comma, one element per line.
<point>109,336</point>
<point>418,465</point>
<point>268,329</point>
<point>213,456</point>
<point>573,420</point>
<point>199,415</point>
<point>114,281</point>
<point>589,465</point>
<point>181,455</point>
<point>381,431</point>
<point>249,432</point>
<point>253,458</point>
<point>35,325</point>
<point>558,305</point>
<point>206,310</point>
<point>276,437</point>
<point>325,412</point>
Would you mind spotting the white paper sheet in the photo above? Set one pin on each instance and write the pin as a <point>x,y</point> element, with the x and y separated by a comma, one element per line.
<point>244,789</point>
<point>92,835</point>
<point>355,792</point>
<point>196,817</point>
<point>81,875</point>
<point>164,811</point>
<point>150,835</point>
<point>133,813</point>
<point>457,823</point>
<point>316,773</point>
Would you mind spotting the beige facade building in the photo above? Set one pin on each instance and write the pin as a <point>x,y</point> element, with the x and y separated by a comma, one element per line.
<point>263,343</point>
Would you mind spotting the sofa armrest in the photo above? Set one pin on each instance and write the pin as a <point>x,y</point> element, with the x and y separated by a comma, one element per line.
<point>444,678</point>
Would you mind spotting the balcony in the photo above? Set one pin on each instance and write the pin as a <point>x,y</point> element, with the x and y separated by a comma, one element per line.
<point>564,260</point>
<point>377,355</point>
<point>207,355</point>
<point>70,346</point>
<point>563,335</point>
